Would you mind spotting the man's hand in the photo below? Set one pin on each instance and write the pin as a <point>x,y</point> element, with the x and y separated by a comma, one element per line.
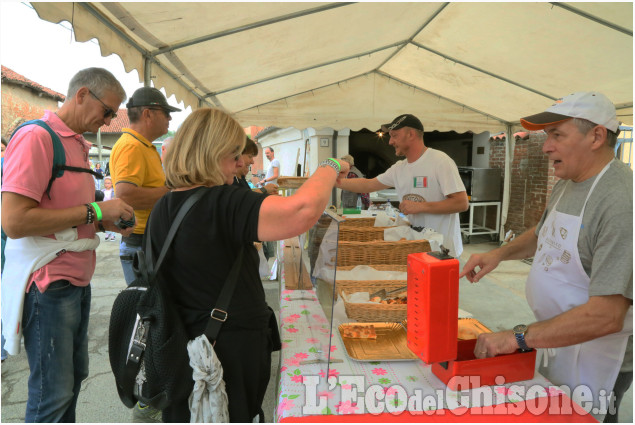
<point>486,262</point>
<point>114,209</point>
<point>493,344</point>
<point>271,188</point>
<point>109,225</point>
<point>411,207</point>
<point>345,168</point>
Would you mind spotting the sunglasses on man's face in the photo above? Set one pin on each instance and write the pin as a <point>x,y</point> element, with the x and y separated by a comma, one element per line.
<point>108,112</point>
<point>166,113</point>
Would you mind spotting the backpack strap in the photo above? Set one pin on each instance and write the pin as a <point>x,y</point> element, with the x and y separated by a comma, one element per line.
<point>59,155</point>
<point>150,266</point>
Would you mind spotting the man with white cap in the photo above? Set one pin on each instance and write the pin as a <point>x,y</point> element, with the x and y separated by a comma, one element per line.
<point>580,286</point>
<point>428,174</point>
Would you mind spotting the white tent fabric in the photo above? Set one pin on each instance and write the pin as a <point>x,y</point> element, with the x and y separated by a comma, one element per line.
<point>457,66</point>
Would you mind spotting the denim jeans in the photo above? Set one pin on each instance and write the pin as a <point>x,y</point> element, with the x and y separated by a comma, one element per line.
<point>55,329</point>
<point>127,251</point>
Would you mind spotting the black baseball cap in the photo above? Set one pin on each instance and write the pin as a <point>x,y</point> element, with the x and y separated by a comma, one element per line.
<point>149,96</point>
<point>405,120</point>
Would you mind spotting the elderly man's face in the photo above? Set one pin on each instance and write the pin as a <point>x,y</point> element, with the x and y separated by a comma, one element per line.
<point>268,154</point>
<point>569,149</point>
<point>96,111</point>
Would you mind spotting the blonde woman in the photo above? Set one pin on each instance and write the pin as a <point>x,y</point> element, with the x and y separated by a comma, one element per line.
<point>204,156</point>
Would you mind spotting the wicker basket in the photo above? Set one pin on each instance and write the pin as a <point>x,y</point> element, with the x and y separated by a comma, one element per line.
<point>380,267</point>
<point>358,221</point>
<point>378,252</point>
<point>375,312</point>
<point>361,233</point>
<point>370,286</point>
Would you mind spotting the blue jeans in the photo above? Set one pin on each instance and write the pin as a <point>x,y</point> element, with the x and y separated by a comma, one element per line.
<point>127,251</point>
<point>55,329</point>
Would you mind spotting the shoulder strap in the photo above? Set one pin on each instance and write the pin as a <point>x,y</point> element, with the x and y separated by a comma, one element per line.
<point>187,205</point>
<point>219,314</point>
<point>59,156</point>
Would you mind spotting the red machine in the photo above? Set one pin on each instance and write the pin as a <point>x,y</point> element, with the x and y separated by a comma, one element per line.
<point>433,304</point>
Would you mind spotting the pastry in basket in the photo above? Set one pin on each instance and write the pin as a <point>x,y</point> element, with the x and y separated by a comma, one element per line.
<point>396,300</point>
<point>359,331</point>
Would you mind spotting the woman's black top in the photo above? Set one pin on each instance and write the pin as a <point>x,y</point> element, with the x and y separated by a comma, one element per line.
<point>203,252</point>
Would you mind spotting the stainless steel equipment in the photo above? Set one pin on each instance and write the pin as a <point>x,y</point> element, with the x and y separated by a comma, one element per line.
<point>481,184</point>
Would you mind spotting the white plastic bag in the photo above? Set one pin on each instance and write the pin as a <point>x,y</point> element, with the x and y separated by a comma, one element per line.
<point>263,267</point>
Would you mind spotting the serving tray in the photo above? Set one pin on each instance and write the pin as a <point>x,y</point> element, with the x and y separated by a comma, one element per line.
<point>391,344</point>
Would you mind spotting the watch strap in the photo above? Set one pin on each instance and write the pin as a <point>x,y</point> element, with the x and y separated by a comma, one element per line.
<point>520,339</point>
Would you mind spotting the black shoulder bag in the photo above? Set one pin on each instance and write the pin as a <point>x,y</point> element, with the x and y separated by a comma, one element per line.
<point>147,340</point>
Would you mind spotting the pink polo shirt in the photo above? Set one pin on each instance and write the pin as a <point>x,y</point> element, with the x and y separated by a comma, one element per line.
<point>28,163</point>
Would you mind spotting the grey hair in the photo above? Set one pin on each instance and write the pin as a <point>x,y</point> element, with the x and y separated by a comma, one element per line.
<point>584,126</point>
<point>134,114</point>
<point>349,158</point>
<point>97,80</point>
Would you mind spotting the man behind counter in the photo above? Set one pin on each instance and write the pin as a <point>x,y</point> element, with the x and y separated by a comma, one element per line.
<point>580,286</point>
<point>426,172</point>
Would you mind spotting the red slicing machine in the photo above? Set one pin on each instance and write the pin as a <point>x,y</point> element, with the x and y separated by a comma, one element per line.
<point>433,303</point>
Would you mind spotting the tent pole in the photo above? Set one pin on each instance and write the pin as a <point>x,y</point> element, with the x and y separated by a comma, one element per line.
<point>147,71</point>
<point>510,145</point>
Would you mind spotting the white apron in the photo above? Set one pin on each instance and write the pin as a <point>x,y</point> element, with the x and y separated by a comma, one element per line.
<point>556,283</point>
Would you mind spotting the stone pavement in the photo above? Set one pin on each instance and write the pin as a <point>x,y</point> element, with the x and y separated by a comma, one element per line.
<point>498,301</point>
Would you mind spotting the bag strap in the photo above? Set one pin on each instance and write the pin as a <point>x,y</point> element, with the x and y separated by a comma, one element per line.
<point>219,314</point>
<point>187,205</point>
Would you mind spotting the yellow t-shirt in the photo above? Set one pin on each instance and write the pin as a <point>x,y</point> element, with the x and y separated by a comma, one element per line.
<point>135,160</point>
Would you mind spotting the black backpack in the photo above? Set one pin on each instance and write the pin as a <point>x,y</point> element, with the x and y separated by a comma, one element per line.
<point>147,341</point>
<point>59,155</point>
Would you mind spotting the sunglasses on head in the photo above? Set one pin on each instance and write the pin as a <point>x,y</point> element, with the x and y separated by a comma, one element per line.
<point>108,112</point>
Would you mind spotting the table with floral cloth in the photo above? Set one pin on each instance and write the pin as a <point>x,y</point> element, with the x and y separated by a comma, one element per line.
<point>383,388</point>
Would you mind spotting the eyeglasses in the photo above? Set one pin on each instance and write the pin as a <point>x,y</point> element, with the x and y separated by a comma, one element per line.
<point>108,112</point>
<point>167,113</point>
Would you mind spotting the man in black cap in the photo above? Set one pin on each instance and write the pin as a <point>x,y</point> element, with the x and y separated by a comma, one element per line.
<point>138,177</point>
<point>429,174</point>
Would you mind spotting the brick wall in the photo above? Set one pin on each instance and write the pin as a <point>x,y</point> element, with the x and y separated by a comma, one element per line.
<point>20,103</point>
<point>532,180</point>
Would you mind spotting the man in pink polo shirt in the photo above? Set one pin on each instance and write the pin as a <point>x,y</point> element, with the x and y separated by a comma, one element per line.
<point>50,252</point>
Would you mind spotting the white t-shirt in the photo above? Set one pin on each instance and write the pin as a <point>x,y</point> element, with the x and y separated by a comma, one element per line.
<point>274,164</point>
<point>434,176</point>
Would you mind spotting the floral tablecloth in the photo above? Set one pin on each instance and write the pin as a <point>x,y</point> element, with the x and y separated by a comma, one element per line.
<point>356,387</point>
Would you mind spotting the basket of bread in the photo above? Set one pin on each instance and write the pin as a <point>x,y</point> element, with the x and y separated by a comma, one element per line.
<point>377,309</point>
<point>378,252</point>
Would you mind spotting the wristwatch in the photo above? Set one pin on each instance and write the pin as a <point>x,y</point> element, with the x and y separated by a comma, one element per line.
<point>519,333</point>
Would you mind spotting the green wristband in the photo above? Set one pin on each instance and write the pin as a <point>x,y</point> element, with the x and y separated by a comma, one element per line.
<point>97,210</point>
<point>338,164</point>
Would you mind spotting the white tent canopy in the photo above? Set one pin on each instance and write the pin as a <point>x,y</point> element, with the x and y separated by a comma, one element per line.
<point>457,66</point>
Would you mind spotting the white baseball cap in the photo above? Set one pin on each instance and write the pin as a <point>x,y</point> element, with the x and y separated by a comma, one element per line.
<point>592,106</point>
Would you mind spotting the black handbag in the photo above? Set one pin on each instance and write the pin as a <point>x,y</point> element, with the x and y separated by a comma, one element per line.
<point>147,340</point>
